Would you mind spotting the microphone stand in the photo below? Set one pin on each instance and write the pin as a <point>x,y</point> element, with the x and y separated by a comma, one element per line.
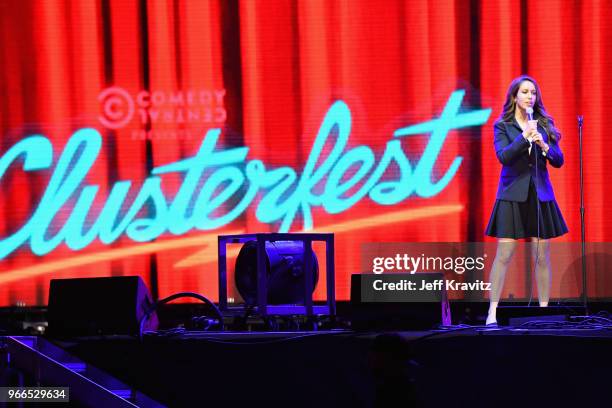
<point>582,226</point>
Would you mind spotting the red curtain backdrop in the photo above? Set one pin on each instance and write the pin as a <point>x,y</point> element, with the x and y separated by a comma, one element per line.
<point>266,72</point>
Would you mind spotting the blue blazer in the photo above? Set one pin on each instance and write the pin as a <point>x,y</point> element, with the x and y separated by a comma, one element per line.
<point>519,167</point>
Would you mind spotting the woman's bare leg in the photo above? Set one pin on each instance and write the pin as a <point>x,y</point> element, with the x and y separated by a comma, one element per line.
<point>540,250</point>
<point>503,257</point>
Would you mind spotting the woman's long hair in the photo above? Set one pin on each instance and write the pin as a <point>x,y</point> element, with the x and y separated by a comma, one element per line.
<point>539,112</point>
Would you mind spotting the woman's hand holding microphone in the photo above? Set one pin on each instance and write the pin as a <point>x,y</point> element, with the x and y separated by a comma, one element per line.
<point>532,135</point>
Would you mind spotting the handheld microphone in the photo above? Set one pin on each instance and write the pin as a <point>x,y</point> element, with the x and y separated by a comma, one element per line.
<point>529,112</point>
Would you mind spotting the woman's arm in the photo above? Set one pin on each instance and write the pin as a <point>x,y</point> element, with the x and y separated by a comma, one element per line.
<point>554,154</point>
<point>507,151</point>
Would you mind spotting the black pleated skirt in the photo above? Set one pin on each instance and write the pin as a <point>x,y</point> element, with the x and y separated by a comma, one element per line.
<point>512,219</point>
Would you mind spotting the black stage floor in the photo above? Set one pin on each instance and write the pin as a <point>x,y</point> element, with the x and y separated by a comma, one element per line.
<point>458,367</point>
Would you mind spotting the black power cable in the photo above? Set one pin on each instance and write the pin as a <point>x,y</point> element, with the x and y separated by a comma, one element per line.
<point>149,312</point>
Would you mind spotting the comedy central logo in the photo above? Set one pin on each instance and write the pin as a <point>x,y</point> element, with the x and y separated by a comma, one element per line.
<point>189,106</point>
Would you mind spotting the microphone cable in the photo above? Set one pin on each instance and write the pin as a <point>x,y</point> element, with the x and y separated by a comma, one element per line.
<point>534,266</point>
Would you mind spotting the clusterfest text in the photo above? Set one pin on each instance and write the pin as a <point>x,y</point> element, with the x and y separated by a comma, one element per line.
<point>284,193</point>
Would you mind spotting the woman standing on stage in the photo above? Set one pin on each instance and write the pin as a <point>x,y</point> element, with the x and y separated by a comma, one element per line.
<point>525,206</point>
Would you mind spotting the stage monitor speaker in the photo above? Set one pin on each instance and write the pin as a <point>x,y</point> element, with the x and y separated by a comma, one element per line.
<point>393,309</point>
<point>98,306</point>
<point>522,315</point>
